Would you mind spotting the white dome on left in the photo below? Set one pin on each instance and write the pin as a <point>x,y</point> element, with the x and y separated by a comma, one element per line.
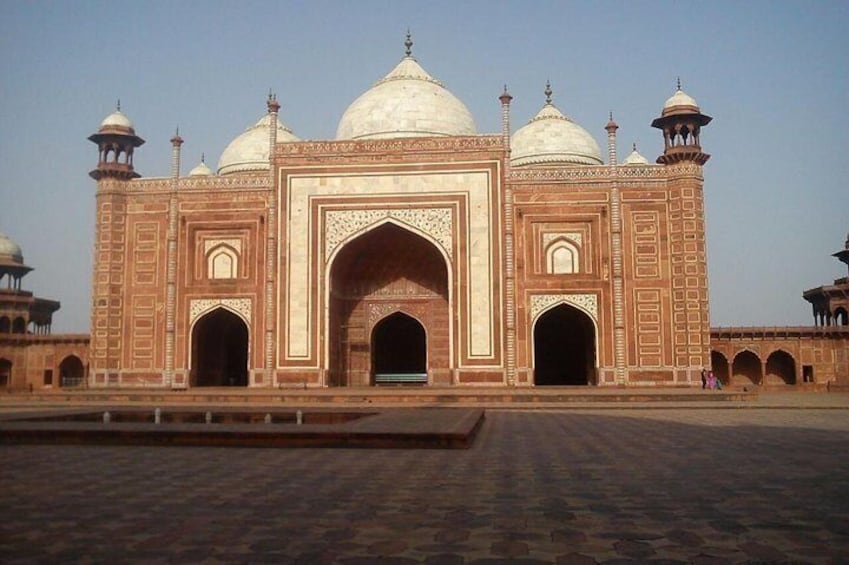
<point>250,151</point>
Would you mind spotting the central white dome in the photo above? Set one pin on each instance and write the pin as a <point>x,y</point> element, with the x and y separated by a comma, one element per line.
<point>407,102</point>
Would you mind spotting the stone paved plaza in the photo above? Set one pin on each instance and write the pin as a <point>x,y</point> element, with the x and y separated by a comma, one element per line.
<point>582,486</point>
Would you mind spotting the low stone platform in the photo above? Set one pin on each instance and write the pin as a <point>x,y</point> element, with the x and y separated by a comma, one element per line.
<point>434,428</point>
<point>489,397</point>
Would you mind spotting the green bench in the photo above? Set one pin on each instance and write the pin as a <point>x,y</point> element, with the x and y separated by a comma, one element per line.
<point>400,378</point>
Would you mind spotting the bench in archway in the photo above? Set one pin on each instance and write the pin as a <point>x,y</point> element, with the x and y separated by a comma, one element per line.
<point>400,378</point>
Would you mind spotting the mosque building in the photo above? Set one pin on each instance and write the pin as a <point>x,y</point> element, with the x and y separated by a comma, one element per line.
<point>412,249</point>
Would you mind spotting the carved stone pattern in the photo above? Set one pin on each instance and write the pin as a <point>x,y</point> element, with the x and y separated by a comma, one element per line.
<point>587,302</point>
<point>601,172</point>
<point>378,311</point>
<point>210,243</point>
<point>389,145</point>
<point>573,236</point>
<point>200,306</point>
<point>261,182</point>
<point>436,222</point>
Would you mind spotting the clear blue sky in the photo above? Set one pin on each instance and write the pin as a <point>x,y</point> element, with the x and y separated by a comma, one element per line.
<point>774,75</point>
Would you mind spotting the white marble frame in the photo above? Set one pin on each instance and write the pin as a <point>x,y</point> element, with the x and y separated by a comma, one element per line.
<point>304,189</point>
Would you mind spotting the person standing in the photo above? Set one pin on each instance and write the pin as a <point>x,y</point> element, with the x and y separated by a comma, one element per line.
<point>704,378</point>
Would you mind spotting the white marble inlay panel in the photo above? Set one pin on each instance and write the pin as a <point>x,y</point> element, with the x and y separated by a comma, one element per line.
<point>585,302</point>
<point>341,224</point>
<point>210,243</point>
<point>200,306</point>
<point>574,236</point>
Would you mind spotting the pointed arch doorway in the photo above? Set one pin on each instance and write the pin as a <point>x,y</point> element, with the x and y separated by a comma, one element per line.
<point>399,350</point>
<point>219,350</point>
<point>391,270</point>
<point>564,347</point>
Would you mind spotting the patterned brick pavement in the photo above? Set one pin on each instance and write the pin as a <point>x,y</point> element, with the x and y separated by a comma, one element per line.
<point>625,486</point>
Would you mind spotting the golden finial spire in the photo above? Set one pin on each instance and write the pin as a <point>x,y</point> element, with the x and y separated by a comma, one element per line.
<point>408,44</point>
<point>548,92</point>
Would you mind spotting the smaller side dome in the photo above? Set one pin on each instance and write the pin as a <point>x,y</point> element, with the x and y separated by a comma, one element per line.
<point>680,103</point>
<point>553,138</point>
<point>117,122</point>
<point>10,252</point>
<point>117,119</point>
<point>635,158</point>
<point>250,151</point>
<point>201,170</point>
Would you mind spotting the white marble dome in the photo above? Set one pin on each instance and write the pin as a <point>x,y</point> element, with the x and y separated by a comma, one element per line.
<point>201,170</point>
<point>116,119</point>
<point>635,158</point>
<point>552,138</point>
<point>680,102</point>
<point>407,102</point>
<point>250,151</point>
<point>9,250</point>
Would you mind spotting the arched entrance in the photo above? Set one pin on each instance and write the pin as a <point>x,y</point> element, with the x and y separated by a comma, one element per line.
<point>71,371</point>
<point>564,347</point>
<point>841,317</point>
<point>746,369</point>
<point>780,369</point>
<point>719,366</point>
<point>5,373</point>
<point>399,350</point>
<point>220,350</point>
<point>388,269</point>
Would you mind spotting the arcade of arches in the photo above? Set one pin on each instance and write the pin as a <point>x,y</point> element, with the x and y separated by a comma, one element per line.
<point>389,309</point>
<point>747,368</point>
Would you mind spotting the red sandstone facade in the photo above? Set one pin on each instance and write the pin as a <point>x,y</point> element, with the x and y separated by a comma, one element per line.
<point>550,273</point>
<point>446,259</point>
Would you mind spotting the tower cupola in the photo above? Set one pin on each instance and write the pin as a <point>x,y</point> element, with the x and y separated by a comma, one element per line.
<point>116,139</point>
<point>681,121</point>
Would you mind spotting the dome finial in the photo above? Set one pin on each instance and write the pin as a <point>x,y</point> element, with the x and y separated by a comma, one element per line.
<point>408,44</point>
<point>118,105</point>
<point>505,97</point>
<point>679,83</point>
<point>203,157</point>
<point>548,92</point>
<point>634,146</point>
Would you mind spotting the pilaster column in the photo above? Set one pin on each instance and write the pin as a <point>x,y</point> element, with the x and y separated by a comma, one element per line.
<point>271,241</point>
<point>509,251</point>
<point>619,356</point>
<point>171,271</point>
